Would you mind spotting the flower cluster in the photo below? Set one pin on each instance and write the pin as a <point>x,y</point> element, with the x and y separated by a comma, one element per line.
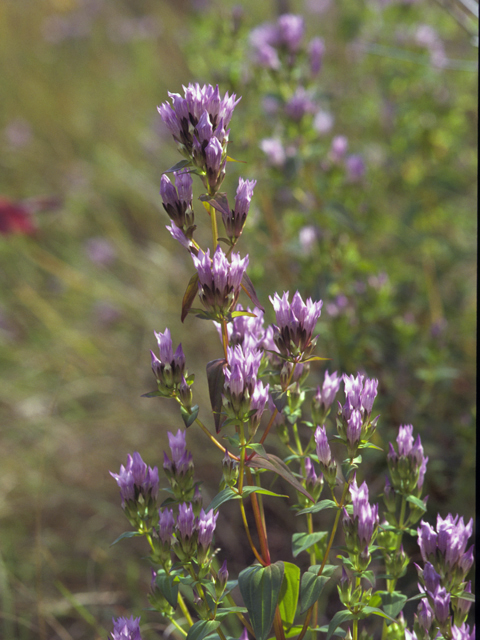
<point>169,369</point>
<point>138,489</point>
<point>295,324</point>
<point>177,201</point>
<point>324,397</point>
<point>126,629</point>
<point>198,123</point>
<point>179,468</point>
<point>408,465</point>
<point>353,420</point>
<point>360,527</point>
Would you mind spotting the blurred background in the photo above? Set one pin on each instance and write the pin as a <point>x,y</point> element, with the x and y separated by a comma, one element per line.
<point>88,271</point>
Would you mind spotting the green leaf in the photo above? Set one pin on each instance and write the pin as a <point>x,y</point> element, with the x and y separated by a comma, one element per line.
<point>392,603</point>
<point>233,440</point>
<point>202,629</point>
<point>127,534</point>
<point>288,599</point>
<point>273,463</point>
<point>224,496</point>
<point>320,506</point>
<point>310,589</point>
<point>189,295</point>
<point>152,394</point>
<point>248,490</point>
<point>466,595</point>
<point>377,612</point>
<point>339,618</point>
<point>257,447</point>
<point>224,612</point>
<point>260,589</point>
<point>290,633</point>
<point>168,585</point>
<point>417,502</point>
<point>180,165</point>
<point>189,417</point>
<point>303,541</point>
<point>229,159</point>
<point>216,380</point>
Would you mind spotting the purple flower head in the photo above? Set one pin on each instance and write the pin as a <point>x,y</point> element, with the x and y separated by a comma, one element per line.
<point>219,281</point>
<point>247,329</point>
<point>364,514</point>
<point>258,401</point>
<point>178,445</point>
<point>291,29</point>
<point>463,632</point>
<point>353,390</point>
<point>453,536</point>
<point>355,166</point>
<point>182,460</point>
<point>234,221</point>
<point>424,614</point>
<point>177,201</point>
<point>354,428</point>
<point>166,525</point>
<point>316,50</point>
<point>324,452</point>
<point>431,578</point>
<point>136,479</point>
<point>405,439</point>
<point>169,369</point>
<point>427,541</point>
<point>215,164</point>
<point>206,527</point>
<point>331,385</point>
<point>299,105</point>
<point>296,322</point>
<point>338,148</point>
<point>126,629</point>
<point>222,574</point>
<point>310,474</point>
<point>369,394</point>
<point>274,150</point>
<point>179,236</point>
<point>466,561</point>
<point>186,521</point>
<point>441,605</point>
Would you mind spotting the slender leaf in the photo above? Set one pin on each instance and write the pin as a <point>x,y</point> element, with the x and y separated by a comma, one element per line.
<point>220,203</point>
<point>339,618</point>
<point>257,447</point>
<point>260,589</point>
<point>127,534</point>
<point>310,589</point>
<point>377,612</point>
<point>224,496</point>
<point>417,502</point>
<point>180,165</point>
<point>152,394</point>
<point>288,600</point>
<point>303,541</point>
<point>189,295</point>
<point>320,506</point>
<point>216,380</point>
<point>273,463</point>
<point>202,629</point>
<point>248,490</point>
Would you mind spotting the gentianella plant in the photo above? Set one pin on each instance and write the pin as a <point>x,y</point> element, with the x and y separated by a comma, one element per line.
<point>258,390</point>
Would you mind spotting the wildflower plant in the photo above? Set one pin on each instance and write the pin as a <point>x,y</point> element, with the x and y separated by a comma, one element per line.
<point>260,403</point>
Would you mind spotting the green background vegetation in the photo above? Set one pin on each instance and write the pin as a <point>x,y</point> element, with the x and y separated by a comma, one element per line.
<point>80,84</point>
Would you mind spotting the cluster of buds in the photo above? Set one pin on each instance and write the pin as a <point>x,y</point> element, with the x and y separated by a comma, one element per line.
<point>295,324</point>
<point>193,534</point>
<point>179,468</point>
<point>360,528</point>
<point>313,483</point>
<point>230,471</point>
<point>324,397</point>
<point>138,490</point>
<point>354,422</point>
<point>177,201</point>
<point>325,458</point>
<point>408,465</point>
<point>219,281</point>
<point>126,629</point>
<point>198,123</point>
<point>244,396</point>
<point>169,369</point>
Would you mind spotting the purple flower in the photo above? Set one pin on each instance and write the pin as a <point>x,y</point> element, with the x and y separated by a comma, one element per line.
<point>177,201</point>
<point>323,122</point>
<point>427,541</point>
<point>291,29</point>
<point>424,614</point>
<point>186,520</point>
<point>206,527</point>
<point>354,428</point>
<point>274,150</point>
<point>441,604</point>
<point>136,479</point>
<point>308,237</point>
<point>166,525</point>
<point>365,516</point>
<point>179,236</point>
<point>355,166</point>
<point>463,605</point>
<point>234,221</point>
<point>316,50</point>
<point>463,632</point>
<point>299,105</point>
<point>219,281</point>
<point>324,452</point>
<point>338,148</point>
<point>126,629</point>
<point>182,460</point>
<point>408,466</point>
<point>296,322</point>
<point>169,369</point>
<point>453,536</point>
<point>214,164</point>
<point>431,578</point>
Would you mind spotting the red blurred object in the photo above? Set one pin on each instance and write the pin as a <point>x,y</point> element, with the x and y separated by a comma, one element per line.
<point>17,217</point>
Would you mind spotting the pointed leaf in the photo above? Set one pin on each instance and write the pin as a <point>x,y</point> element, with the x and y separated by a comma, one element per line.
<point>392,603</point>
<point>168,585</point>
<point>189,417</point>
<point>229,159</point>
<point>260,589</point>
<point>339,618</point>
<point>189,295</point>
<point>257,447</point>
<point>248,490</point>
<point>377,612</point>
<point>180,165</point>
<point>303,541</point>
<point>224,496</point>
<point>288,600</point>
<point>152,394</point>
<point>216,381</point>
<point>280,399</point>
<point>417,502</point>
<point>202,629</point>
<point>270,462</point>
<point>127,534</point>
<point>310,589</point>
<point>249,289</point>
<point>320,506</point>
